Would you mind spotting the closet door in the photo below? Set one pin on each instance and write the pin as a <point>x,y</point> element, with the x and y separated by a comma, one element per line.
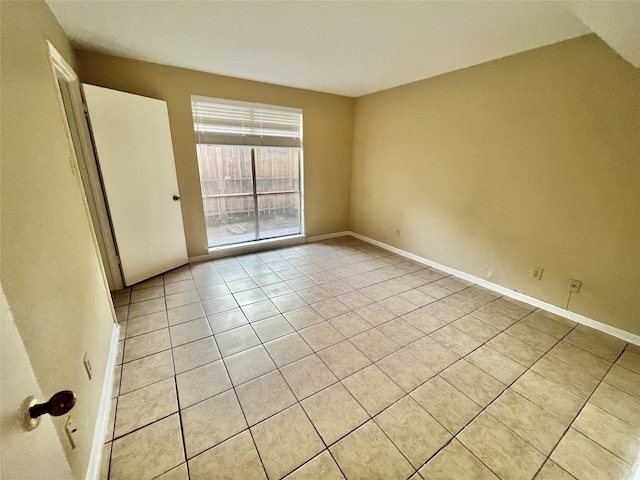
<point>135,156</point>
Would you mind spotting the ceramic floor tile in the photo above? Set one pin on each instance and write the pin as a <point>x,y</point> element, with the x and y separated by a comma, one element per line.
<point>213,291</point>
<point>189,331</point>
<point>546,325</point>
<point>178,274</point>
<point>145,405</point>
<point>549,395</point>
<point>247,297</point>
<point>272,328</point>
<point>367,453</point>
<point>285,441</point>
<point>260,310</point>
<point>185,313</point>
<point>423,321</point>
<point>515,349</point>
<point>613,400</point>
<point>178,473</point>
<point>630,361</point>
<point>504,452</point>
<point>551,471</point>
<point>148,452</point>
<point>248,364</point>
<point>202,382</point>
<point>531,336</point>
<point>397,305</point>
<point>586,460</point>
<point>322,466</point>
<point>147,370</point>
<point>455,340</point>
<point>456,462</point>
<point>315,294</point>
<point>477,329</point>
<point>610,432</point>
<point>374,344</point>
<point>375,314</point>
<point>115,389</point>
<point>330,308</point>
<point>212,421</point>
<point>236,340</point>
<point>321,335</point>
<point>534,424</point>
<point>307,376</point>
<point>146,344</point>
<point>288,349</point>
<point>219,304</point>
<point>581,359</point>
<point>493,318</point>
<point>182,298</point>
<point>405,370</point>
<point>334,412</point>
<point>146,307</point>
<point>445,403</point>
<point>373,389</point>
<point>473,382</point>
<point>400,332</point>
<point>288,302</point>
<point>274,289</point>
<point>143,294</point>
<point>497,365</point>
<point>179,287</point>
<point>417,298</point>
<point>350,324</point>
<point>264,396</point>
<point>434,355</point>
<point>443,311</point>
<point>195,354</point>
<point>303,317</point>
<point>509,307</point>
<point>355,300</point>
<point>147,323</point>
<point>236,457</point>
<point>623,379</point>
<point>598,343</point>
<point>223,321</point>
<point>338,287</point>
<point>412,430</point>
<point>151,282</point>
<point>570,378</point>
<point>344,359</point>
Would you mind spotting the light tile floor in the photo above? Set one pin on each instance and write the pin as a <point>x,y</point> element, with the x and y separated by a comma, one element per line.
<point>337,359</point>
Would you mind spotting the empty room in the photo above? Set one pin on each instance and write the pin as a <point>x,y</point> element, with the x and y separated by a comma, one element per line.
<point>320,240</point>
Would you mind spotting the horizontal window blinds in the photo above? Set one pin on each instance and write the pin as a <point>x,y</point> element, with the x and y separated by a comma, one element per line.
<point>224,122</point>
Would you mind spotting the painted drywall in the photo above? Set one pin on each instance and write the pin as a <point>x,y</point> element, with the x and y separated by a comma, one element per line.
<point>327,134</point>
<point>528,161</point>
<point>50,266</point>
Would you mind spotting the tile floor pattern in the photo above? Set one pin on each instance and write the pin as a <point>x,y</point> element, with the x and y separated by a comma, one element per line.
<point>337,359</point>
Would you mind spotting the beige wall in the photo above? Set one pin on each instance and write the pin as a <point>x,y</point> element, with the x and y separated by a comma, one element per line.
<point>531,160</point>
<point>51,272</point>
<point>327,136</point>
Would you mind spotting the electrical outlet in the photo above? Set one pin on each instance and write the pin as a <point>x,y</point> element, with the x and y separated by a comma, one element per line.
<point>574,285</point>
<point>536,273</point>
<point>70,429</point>
<point>87,364</point>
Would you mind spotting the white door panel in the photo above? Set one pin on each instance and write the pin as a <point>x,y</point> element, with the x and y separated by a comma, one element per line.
<point>133,143</point>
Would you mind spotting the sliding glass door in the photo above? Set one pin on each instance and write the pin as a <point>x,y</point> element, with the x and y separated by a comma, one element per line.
<point>249,193</point>
<point>250,161</point>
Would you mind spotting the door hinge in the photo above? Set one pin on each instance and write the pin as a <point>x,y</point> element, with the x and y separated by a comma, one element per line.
<point>118,260</point>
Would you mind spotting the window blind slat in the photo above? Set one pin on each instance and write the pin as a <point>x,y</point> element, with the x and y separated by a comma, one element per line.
<point>218,121</point>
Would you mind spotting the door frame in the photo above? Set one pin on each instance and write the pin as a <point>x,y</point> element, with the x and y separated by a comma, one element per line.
<point>76,118</point>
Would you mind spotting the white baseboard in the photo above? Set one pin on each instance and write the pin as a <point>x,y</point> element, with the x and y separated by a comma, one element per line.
<point>576,317</point>
<point>104,410</point>
<point>317,238</point>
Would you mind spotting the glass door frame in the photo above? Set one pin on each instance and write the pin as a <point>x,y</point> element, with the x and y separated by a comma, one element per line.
<point>256,194</point>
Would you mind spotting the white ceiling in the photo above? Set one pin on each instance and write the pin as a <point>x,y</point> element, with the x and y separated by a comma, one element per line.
<point>347,48</point>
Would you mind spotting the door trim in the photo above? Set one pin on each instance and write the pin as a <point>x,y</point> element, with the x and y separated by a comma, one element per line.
<point>79,131</point>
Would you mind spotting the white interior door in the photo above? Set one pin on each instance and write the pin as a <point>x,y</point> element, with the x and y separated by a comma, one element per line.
<point>133,144</point>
